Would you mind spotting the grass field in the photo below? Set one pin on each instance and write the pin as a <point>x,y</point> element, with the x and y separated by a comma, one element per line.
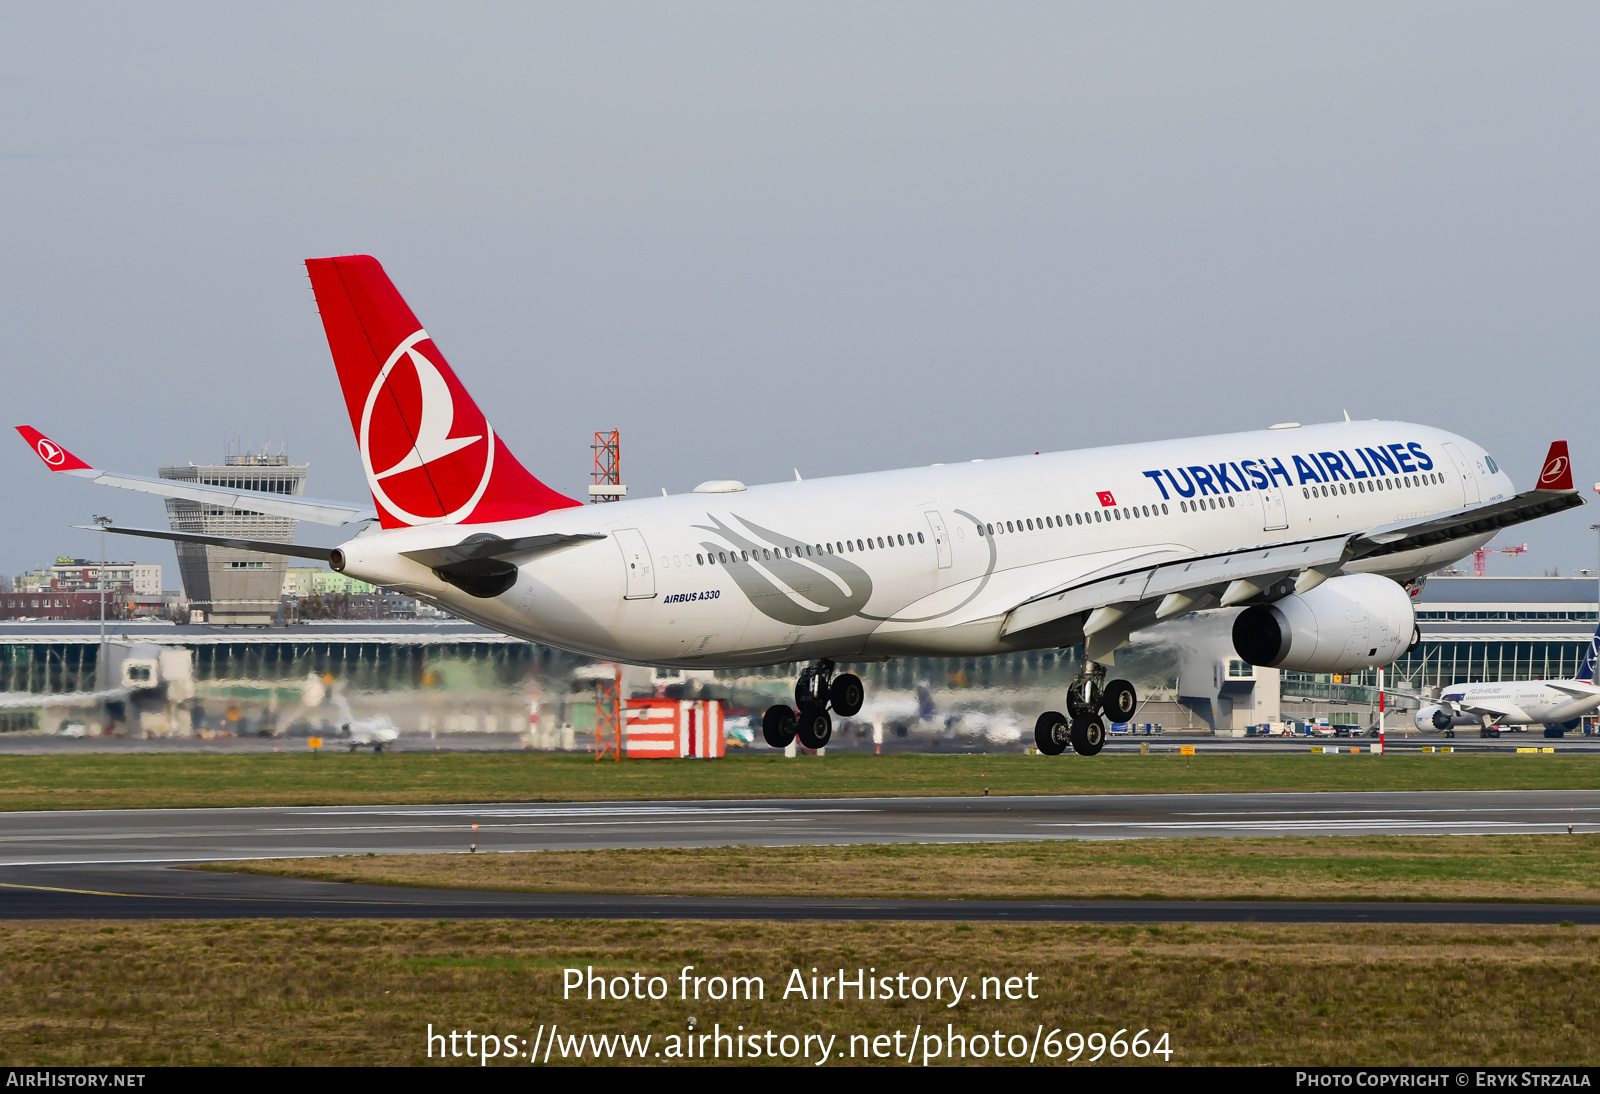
<point>1521,868</point>
<point>339,992</point>
<point>100,781</point>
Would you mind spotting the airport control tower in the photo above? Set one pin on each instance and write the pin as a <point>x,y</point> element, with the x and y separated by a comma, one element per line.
<point>234,586</point>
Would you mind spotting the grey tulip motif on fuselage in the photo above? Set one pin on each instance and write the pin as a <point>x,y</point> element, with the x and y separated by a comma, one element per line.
<point>799,574</point>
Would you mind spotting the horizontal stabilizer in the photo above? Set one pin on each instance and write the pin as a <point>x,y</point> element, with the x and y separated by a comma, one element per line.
<point>477,548</point>
<point>266,547</point>
<point>314,510</point>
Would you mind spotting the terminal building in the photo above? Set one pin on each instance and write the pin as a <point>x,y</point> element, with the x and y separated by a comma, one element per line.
<point>226,585</point>
<point>1485,629</point>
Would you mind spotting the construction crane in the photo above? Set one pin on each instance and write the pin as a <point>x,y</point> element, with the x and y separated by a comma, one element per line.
<point>1478,569</point>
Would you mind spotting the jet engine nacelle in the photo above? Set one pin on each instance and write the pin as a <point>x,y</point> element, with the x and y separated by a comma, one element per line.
<point>1345,624</point>
<point>1441,717</point>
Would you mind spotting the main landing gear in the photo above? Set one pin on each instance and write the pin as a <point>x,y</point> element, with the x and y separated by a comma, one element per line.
<point>816,690</point>
<point>1089,702</point>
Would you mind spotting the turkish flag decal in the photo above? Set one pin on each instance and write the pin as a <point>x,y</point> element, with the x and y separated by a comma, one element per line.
<point>1105,498</point>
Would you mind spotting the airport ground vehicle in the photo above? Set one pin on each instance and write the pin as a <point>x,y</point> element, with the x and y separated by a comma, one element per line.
<point>1314,531</point>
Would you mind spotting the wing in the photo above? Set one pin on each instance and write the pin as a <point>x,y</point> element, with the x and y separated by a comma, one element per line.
<point>315,510</point>
<point>1575,688</point>
<point>23,700</point>
<point>1493,707</point>
<point>1105,607</point>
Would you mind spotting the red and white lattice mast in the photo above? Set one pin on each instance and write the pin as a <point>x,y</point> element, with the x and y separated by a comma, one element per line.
<point>607,467</point>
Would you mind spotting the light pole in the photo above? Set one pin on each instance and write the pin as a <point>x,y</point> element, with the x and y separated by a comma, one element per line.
<point>100,662</point>
<point>1596,528</point>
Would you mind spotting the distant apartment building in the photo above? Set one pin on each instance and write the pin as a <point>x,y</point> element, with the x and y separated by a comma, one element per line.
<point>316,593</point>
<point>78,574</point>
<point>306,581</point>
<point>70,589</point>
<point>57,604</point>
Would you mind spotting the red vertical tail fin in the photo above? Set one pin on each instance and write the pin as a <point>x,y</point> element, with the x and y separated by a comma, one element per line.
<point>430,455</point>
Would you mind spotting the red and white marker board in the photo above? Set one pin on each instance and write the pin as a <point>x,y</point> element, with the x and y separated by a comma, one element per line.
<point>672,729</point>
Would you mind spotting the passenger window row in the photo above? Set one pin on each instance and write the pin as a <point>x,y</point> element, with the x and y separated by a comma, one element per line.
<point>812,550</point>
<point>1097,516</point>
<point>1206,503</point>
<point>1403,482</point>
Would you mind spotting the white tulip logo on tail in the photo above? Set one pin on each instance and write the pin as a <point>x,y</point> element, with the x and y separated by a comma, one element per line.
<point>433,478</point>
<point>1554,470</point>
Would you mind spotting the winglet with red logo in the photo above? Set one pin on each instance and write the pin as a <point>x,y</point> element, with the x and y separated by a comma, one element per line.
<point>54,456</point>
<point>1557,473</point>
<point>430,455</point>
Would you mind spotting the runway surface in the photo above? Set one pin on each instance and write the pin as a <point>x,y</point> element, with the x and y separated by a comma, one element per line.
<point>203,835</point>
<point>165,892</point>
<point>122,863</point>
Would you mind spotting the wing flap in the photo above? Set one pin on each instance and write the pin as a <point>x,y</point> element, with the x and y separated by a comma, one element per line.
<point>1461,523</point>
<point>1199,576</point>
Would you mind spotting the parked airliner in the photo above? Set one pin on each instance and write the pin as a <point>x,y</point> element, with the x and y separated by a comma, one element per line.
<point>1558,705</point>
<point>1314,531</point>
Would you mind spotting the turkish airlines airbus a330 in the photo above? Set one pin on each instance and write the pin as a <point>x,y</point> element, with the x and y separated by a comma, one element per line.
<point>1316,531</point>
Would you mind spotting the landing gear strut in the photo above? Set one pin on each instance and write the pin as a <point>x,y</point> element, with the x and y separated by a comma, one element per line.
<point>1089,700</point>
<point>816,690</point>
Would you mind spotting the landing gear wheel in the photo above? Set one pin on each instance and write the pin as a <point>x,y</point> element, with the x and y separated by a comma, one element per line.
<point>813,726</point>
<point>1119,701</point>
<point>846,694</point>
<point>1088,736</point>
<point>1416,638</point>
<point>1449,733</point>
<point>778,726</point>
<point>1052,733</point>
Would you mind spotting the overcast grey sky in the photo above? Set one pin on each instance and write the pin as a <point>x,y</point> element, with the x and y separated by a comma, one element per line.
<point>841,237</point>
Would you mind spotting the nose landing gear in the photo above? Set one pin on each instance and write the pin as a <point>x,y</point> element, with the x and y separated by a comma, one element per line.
<point>816,690</point>
<point>1089,700</point>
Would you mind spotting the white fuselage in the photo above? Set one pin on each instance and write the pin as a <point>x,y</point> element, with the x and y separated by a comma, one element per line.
<point>794,570</point>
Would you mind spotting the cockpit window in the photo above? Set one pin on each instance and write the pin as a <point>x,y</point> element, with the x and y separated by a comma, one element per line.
<point>1494,468</point>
